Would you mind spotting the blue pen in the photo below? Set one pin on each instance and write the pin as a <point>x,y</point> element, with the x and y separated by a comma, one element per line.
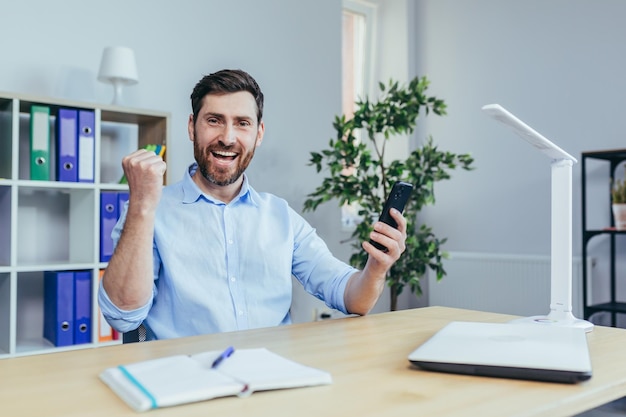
<point>225,354</point>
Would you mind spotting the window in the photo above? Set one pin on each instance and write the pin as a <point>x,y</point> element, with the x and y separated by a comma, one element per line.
<point>357,52</point>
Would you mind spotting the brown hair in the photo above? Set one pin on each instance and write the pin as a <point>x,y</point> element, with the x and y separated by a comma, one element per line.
<point>226,81</point>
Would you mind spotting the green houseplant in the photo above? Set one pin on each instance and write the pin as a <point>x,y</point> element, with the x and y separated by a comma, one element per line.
<point>618,200</point>
<point>618,191</point>
<point>358,173</point>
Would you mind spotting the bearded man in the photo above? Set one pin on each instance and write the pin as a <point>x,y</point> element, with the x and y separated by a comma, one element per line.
<point>211,254</point>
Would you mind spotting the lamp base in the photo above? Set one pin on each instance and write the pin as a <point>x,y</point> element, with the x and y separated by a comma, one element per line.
<point>557,319</point>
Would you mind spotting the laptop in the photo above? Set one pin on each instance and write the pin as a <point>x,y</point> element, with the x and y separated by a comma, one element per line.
<point>532,351</point>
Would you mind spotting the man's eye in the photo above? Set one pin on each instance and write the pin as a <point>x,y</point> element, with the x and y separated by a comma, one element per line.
<point>244,123</point>
<point>212,121</point>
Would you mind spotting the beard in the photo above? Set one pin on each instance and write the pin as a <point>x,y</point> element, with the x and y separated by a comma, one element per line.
<point>218,175</point>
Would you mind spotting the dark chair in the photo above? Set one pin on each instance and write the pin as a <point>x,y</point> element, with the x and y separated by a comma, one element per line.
<point>137,335</point>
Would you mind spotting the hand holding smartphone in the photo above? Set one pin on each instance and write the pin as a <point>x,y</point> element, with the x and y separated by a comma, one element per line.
<point>397,199</point>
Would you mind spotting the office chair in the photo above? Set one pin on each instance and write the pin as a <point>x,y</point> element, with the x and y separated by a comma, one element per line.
<point>133,336</point>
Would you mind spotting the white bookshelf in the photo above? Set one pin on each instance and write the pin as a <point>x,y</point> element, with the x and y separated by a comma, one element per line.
<point>54,225</point>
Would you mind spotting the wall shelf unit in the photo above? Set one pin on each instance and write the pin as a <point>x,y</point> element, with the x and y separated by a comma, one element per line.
<point>53,225</point>
<point>613,306</point>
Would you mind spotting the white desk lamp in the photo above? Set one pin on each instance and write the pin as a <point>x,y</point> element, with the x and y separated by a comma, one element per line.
<point>561,234</point>
<point>118,67</point>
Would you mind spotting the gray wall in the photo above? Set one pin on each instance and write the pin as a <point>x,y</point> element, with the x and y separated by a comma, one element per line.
<point>558,65</point>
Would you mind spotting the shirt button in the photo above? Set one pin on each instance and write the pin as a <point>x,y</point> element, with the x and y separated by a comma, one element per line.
<point>240,312</point>
<point>230,241</point>
<point>233,279</point>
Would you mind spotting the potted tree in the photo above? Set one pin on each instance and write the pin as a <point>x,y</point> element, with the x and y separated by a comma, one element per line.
<point>618,200</point>
<point>358,173</point>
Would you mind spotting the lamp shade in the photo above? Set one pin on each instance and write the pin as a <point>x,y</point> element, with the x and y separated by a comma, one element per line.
<point>118,66</point>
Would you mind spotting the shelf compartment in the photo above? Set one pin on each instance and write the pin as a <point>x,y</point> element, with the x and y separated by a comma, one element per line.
<point>116,141</point>
<point>5,225</point>
<point>5,313</point>
<point>121,133</point>
<point>24,149</point>
<point>55,225</point>
<point>6,138</point>
<point>152,126</point>
<point>30,317</point>
<point>29,320</point>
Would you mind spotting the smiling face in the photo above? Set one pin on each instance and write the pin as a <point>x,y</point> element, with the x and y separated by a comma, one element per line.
<point>225,136</point>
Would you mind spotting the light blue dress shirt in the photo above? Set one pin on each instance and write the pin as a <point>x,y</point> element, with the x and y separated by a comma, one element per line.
<point>223,267</point>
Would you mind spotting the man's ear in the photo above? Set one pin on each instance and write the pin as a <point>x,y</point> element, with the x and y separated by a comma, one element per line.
<point>260,133</point>
<point>190,128</point>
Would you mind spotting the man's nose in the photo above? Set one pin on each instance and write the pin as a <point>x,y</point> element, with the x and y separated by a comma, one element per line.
<point>229,136</point>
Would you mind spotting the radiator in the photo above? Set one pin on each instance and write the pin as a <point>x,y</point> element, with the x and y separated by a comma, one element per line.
<point>499,283</point>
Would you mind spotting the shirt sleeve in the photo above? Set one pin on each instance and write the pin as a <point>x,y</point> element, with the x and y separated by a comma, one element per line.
<point>121,320</point>
<point>314,266</point>
<point>124,320</point>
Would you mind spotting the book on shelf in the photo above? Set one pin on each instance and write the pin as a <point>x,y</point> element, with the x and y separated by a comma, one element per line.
<point>111,206</point>
<point>181,379</point>
<point>86,145</point>
<point>40,142</point>
<point>67,144</point>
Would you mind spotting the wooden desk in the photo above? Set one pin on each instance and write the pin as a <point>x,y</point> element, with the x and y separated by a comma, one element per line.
<point>367,357</point>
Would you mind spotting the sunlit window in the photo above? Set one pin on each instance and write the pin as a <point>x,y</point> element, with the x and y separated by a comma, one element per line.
<point>357,50</point>
<point>352,59</point>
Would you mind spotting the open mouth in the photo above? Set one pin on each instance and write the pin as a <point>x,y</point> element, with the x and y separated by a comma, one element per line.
<point>224,155</point>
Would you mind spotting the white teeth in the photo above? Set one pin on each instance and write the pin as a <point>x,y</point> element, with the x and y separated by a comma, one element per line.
<point>225,153</point>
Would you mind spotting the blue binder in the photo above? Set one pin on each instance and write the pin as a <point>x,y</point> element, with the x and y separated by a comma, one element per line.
<point>58,323</point>
<point>86,145</point>
<point>67,145</point>
<point>108,218</point>
<point>82,307</point>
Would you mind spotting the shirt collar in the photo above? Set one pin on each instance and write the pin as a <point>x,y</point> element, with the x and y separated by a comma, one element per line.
<point>192,193</point>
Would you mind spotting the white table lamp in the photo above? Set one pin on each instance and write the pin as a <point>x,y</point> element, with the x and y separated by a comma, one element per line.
<point>561,221</point>
<point>118,67</point>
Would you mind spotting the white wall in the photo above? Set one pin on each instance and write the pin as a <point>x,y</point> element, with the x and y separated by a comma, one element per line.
<point>293,49</point>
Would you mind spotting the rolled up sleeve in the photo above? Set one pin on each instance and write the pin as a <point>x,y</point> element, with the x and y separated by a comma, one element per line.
<point>121,320</point>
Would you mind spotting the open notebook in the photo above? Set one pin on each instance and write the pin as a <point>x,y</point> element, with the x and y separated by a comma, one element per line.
<point>508,350</point>
<point>181,379</point>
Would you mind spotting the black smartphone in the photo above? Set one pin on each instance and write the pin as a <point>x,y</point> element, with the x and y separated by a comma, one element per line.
<point>397,199</point>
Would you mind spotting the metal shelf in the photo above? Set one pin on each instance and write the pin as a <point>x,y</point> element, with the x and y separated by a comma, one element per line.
<point>614,157</point>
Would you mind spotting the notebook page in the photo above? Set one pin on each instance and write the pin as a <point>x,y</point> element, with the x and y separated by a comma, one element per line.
<point>263,370</point>
<point>168,381</point>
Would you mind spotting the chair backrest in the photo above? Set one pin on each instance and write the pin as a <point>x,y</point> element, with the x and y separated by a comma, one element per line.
<point>133,336</point>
